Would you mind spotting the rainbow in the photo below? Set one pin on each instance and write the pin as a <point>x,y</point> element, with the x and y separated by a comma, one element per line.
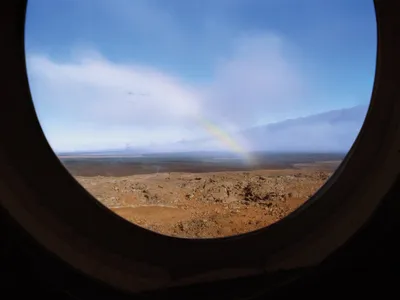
<point>227,139</point>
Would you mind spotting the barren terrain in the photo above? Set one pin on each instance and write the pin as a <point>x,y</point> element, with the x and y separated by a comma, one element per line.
<point>208,204</point>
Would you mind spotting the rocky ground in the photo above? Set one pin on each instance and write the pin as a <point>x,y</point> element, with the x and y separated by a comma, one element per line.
<point>208,204</point>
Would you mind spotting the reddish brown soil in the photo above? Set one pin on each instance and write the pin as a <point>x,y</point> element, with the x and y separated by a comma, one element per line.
<point>208,204</point>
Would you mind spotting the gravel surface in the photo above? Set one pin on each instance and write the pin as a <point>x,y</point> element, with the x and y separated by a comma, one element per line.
<point>208,204</point>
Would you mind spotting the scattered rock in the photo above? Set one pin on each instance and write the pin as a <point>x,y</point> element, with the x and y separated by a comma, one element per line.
<point>210,205</point>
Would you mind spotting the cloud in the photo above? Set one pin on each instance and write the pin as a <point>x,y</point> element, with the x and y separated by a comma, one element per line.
<point>81,136</point>
<point>256,79</point>
<point>97,90</point>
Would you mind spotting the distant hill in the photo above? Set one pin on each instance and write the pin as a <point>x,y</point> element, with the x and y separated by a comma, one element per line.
<point>334,130</point>
<point>331,131</point>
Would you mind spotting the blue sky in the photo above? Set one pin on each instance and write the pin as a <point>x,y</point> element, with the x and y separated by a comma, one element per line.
<point>105,74</point>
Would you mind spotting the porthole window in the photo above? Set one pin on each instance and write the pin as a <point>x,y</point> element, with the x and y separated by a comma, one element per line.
<point>201,119</point>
